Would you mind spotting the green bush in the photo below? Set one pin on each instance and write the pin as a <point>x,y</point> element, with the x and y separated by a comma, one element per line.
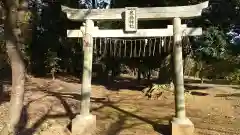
<point>52,63</point>
<point>234,76</point>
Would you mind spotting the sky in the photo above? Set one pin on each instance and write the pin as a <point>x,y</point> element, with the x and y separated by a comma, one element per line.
<point>95,3</point>
<point>235,34</point>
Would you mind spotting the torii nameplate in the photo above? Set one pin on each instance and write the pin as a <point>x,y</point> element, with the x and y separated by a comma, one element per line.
<point>131,21</point>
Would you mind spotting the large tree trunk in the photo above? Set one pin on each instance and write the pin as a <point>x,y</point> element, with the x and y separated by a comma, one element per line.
<point>17,64</point>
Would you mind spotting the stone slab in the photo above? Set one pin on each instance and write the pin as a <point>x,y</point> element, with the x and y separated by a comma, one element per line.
<point>84,125</point>
<point>182,127</point>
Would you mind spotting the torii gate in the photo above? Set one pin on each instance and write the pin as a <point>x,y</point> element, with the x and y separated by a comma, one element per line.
<point>85,123</point>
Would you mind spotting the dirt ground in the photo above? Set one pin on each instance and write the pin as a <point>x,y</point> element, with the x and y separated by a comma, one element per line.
<point>121,108</point>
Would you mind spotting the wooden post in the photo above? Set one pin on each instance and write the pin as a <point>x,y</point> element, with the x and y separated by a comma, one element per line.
<point>178,70</point>
<point>87,68</point>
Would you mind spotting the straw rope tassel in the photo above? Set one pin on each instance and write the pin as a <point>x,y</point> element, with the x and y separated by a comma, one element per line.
<point>154,46</point>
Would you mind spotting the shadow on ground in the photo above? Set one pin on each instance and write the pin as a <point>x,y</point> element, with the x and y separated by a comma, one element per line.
<point>113,129</point>
<point>213,81</point>
<point>195,93</point>
<point>116,84</point>
<point>236,87</point>
<point>160,128</point>
<point>194,87</point>
<point>228,95</point>
<point>122,83</point>
<point>117,126</point>
<point>62,99</point>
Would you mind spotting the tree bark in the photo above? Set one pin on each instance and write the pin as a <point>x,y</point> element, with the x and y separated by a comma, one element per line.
<point>17,64</point>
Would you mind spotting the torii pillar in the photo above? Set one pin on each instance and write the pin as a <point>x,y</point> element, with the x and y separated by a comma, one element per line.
<point>85,122</point>
<point>180,124</point>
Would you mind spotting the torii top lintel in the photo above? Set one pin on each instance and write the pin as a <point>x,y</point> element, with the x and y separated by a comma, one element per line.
<point>148,13</point>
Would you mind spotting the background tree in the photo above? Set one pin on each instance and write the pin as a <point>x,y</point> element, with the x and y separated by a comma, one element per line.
<point>12,33</point>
